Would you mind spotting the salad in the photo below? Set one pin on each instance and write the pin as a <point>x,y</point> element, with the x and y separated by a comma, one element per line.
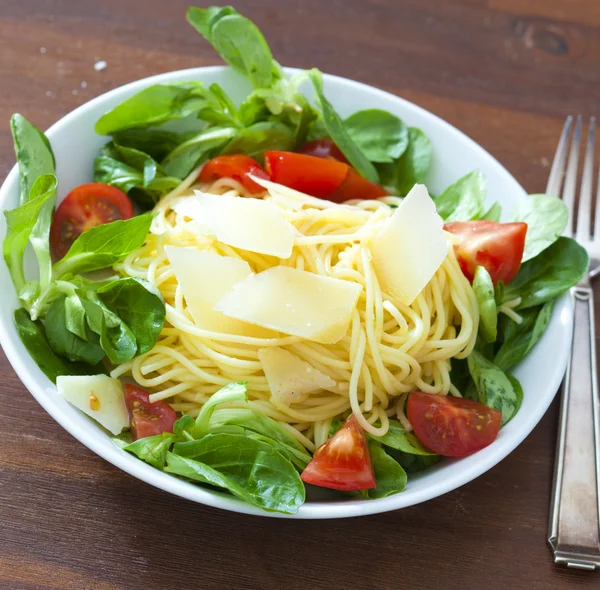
<point>236,300</point>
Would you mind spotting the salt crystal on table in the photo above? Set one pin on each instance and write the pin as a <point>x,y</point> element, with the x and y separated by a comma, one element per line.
<point>84,84</point>
<point>100,65</point>
<point>42,50</point>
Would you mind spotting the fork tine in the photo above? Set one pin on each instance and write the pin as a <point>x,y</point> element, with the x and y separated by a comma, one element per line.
<point>558,164</point>
<point>571,177</point>
<point>584,211</point>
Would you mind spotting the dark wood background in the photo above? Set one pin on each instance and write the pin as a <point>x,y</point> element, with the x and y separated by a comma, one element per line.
<point>506,72</point>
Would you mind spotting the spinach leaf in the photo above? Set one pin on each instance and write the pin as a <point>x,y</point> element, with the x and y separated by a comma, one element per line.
<point>300,459</point>
<point>75,316</point>
<point>200,472</point>
<point>117,340</point>
<point>128,168</point>
<point>183,427</point>
<point>251,420</point>
<point>140,305</point>
<point>317,129</point>
<point>29,294</point>
<point>20,223</point>
<point>552,272</point>
<point>219,109</point>
<point>389,476</point>
<point>281,103</point>
<point>123,439</point>
<point>253,109</point>
<point>459,375</point>
<point>189,154</point>
<point>196,471</point>
<point>145,185</point>
<point>33,152</point>
<point>264,428</point>
<point>464,200</point>
<point>34,339</point>
<point>202,19</point>
<point>38,303</point>
<point>109,170</point>
<point>260,137</point>
<point>519,339</point>
<point>412,167</point>
<point>237,40</point>
<point>494,388</point>
<point>263,475</point>
<point>157,143</point>
<point>518,390</point>
<point>546,218</point>
<point>338,133</point>
<point>300,115</point>
<point>152,449</point>
<point>67,344</point>
<point>36,160</point>
<point>381,136</point>
<point>493,213</point>
<point>136,159</point>
<point>153,106</point>
<point>104,245</point>
<point>76,287</point>
<point>488,313</point>
<point>397,438</point>
<point>234,392</point>
<point>414,463</point>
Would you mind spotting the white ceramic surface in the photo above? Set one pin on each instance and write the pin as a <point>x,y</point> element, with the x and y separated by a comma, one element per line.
<point>75,144</point>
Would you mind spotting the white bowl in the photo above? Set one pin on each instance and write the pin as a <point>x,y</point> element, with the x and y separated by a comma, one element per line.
<point>75,144</point>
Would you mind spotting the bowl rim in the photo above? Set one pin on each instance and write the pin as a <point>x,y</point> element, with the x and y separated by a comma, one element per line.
<point>310,510</point>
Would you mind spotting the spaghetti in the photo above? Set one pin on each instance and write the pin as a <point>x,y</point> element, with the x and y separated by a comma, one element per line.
<point>389,349</point>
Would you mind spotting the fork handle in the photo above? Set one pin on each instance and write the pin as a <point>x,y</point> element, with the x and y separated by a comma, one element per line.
<point>574,531</point>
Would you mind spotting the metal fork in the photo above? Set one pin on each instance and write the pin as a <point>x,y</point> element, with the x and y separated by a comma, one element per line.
<point>574,528</point>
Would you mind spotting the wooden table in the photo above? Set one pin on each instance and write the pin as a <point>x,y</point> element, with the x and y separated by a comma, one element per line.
<point>504,74</point>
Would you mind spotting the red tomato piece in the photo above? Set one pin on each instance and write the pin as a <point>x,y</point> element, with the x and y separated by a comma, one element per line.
<point>146,418</point>
<point>496,246</point>
<point>238,167</point>
<point>323,148</point>
<point>343,462</point>
<point>314,176</point>
<point>356,187</point>
<point>84,207</point>
<point>452,426</point>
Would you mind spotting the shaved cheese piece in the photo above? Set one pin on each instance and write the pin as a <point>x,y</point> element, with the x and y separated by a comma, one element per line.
<point>410,247</point>
<point>204,277</point>
<point>294,302</point>
<point>250,224</point>
<point>290,378</point>
<point>99,396</point>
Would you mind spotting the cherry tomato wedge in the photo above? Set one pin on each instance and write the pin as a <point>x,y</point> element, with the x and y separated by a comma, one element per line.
<point>496,246</point>
<point>146,418</point>
<point>318,177</point>
<point>343,462</point>
<point>324,178</point>
<point>452,426</point>
<point>356,187</point>
<point>323,148</point>
<point>238,167</point>
<point>84,207</point>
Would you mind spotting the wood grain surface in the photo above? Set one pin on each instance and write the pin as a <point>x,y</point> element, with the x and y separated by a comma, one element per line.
<point>506,72</point>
